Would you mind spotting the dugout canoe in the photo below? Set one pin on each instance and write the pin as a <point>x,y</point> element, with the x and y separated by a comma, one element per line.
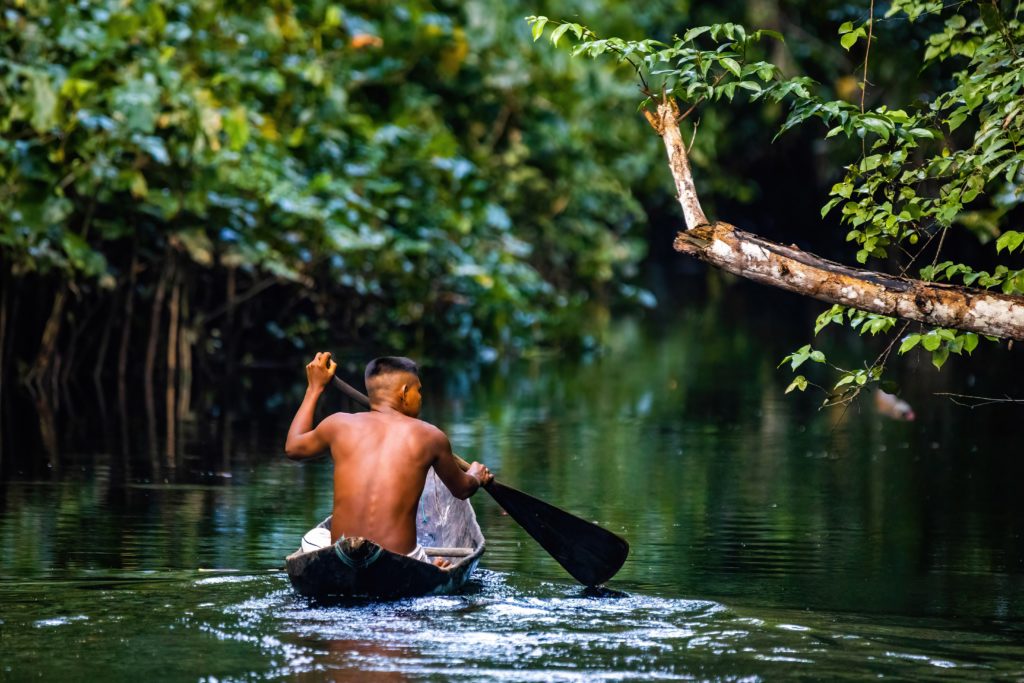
<point>446,527</point>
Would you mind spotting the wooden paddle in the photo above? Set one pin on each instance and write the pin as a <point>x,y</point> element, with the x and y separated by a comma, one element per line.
<point>592,555</point>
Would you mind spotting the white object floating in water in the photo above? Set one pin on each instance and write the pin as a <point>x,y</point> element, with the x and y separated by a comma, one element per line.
<point>893,407</point>
<point>315,539</point>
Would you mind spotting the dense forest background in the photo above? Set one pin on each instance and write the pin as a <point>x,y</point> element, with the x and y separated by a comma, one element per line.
<point>191,188</point>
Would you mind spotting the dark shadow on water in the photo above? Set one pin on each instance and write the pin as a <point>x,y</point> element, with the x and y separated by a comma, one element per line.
<point>602,592</point>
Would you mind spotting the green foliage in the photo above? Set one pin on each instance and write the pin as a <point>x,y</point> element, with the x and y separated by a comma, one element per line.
<point>850,35</point>
<point>801,355</point>
<point>862,321</point>
<point>914,178</point>
<point>388,165</point>
<point>954,157</point>
<point>683,69</point>
<point>940,343</point>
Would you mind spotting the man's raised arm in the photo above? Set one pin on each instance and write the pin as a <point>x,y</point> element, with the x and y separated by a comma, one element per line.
<point>303,440</point>
<point>461,484</point>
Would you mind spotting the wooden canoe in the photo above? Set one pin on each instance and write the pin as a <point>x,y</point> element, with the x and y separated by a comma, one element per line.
<point>359,568</point>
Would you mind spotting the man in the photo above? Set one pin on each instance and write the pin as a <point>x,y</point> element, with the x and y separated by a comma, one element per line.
<point>381,458</point>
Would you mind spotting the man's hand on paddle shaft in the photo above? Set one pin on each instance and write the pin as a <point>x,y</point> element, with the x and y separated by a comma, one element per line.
<point>303,440</point>
<point>320,370</point>
<point>480,472</point>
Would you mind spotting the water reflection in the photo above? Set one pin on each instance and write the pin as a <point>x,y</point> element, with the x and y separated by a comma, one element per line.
<point>769,539</point>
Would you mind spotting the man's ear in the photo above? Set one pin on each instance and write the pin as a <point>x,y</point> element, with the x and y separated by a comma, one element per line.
<point>405,390</point>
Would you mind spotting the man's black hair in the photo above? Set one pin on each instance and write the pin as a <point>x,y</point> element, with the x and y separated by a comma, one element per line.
<point>388,364</point>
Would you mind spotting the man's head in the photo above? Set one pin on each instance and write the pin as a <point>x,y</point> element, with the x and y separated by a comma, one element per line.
<point>396,381</point>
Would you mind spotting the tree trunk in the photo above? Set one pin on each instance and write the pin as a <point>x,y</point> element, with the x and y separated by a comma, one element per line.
<point>7,367</point>
<point>156,313</point>
<point>70,357</point>
<point>172,370</point>
<point>122,353</point>
<point>47,430</point>
<point>5,285</point>
<point>101,359</point>
<point>43,365</point>
<point>230,361</point>
<point>186,340</point>
<point>749,256</point>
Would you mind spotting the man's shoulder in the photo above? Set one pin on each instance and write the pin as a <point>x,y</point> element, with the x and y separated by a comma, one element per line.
<point>415,425</point>
<point>426,430</point>
<point>342,417</point>
<point>336,421</point>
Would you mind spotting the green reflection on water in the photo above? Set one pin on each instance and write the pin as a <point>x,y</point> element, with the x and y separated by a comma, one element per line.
<point>744,510</point>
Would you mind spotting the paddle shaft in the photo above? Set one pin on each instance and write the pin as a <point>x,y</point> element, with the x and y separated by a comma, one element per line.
<point>361,398</point>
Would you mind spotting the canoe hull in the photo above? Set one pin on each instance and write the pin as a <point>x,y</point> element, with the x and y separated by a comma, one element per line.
<point>359,568</point>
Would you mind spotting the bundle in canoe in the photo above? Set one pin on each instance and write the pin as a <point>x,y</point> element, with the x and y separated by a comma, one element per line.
<point>446,527</point>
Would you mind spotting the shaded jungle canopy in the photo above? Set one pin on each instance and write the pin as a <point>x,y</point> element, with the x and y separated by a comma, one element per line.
<point>411,175</point>
<point>192,187</point>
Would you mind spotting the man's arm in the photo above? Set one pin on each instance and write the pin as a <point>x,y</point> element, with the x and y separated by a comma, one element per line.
<point>461,484</point>
<point>303,440</point>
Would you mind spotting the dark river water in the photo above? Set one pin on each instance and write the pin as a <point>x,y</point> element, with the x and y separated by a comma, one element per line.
<point>770,539</point>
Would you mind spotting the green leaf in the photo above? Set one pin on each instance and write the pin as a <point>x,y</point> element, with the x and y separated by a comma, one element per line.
<point>850,39</point>
<point>970,342</point>
<point>832,315</point>
<point>990,16</point>
<point>799,382</point>
<point>557,34</point>
<point>871,162</point>
<point>1009,240</point>
<point>931,341</point>
<point>538,28</point>
<point>695,32</point>
<point>44,102</point>
<point>332,17</point>
<point>798,357</point>
<point>732,65</point>
<point>909,342</point>
<point>139,188</point>
<point>844,380</point>
<point>236,125</point>
<point>829,206</point>
<point>939,357</point>
<point>955,120</point>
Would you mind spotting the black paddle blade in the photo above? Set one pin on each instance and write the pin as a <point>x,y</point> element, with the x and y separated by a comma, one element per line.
<point>591,554</point>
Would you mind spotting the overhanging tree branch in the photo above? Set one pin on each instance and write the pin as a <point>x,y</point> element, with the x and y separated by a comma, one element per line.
<point>789,268</point>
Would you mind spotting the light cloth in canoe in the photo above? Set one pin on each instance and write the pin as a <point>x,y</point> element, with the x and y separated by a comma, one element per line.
<point>320,537</point>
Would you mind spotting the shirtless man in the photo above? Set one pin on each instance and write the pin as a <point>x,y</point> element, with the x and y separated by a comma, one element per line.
<point>381,458</point>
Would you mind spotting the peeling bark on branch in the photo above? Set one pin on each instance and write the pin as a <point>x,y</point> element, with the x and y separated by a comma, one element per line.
<point>665,121</point>
<point>789,268</point>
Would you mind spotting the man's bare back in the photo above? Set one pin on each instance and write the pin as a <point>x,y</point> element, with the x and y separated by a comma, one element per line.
<point>381,458</point>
